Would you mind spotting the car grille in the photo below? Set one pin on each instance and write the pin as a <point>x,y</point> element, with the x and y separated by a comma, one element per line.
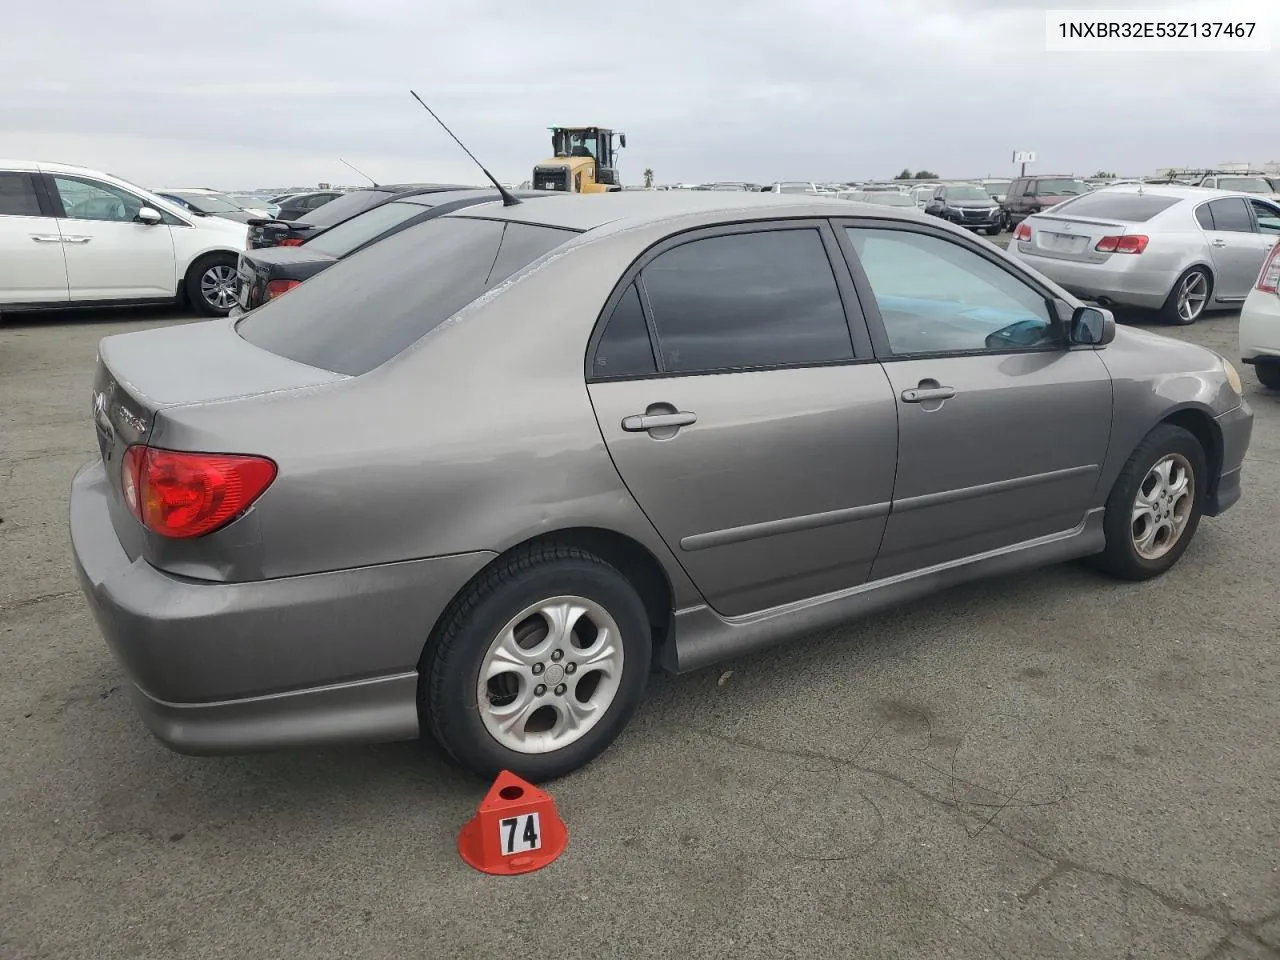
<point>975,215</point>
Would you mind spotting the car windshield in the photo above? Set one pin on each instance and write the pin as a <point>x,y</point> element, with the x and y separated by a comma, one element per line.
<point>1064,187</point>
<point>997,187</point>
<point>369,307</point>
<point>1131,207</point>
<point>968,193</point>
<point>341,239</point>
<point>207,202</point>
<point>347,205</point>
<point>1245,184</point>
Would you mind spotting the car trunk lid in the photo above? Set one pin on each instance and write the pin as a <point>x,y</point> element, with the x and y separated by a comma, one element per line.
<point>141,375</point>
<point>257,268</point>
<point>1070,238</point>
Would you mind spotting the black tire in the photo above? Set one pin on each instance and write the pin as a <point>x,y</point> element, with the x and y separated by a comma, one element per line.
<point>450,668</point>
<point>992,231</point>
<point>1169,311</point>
<point>1121,558</point>
<point>192,284</point>
<point>1268,372</point>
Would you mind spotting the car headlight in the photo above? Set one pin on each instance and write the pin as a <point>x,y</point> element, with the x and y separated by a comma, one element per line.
<point>1233,376</point>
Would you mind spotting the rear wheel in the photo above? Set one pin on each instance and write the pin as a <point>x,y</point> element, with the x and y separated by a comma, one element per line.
<point>538,665</point>
<point>211,284</point>
<point>1188,298</point>
<point>1155,506</point>
<point>1268,372</point>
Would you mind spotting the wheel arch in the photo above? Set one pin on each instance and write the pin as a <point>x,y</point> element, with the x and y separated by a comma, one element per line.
<point>630,557</point>
<point>1201,424</point>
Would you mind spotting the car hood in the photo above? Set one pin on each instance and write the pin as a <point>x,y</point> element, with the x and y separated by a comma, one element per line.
<point>971,204</point>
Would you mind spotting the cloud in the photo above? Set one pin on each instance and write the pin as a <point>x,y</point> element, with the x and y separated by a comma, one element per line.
<point>273,93</point>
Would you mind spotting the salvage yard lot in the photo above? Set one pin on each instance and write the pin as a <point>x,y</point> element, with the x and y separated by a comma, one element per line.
<point>1046,765</point>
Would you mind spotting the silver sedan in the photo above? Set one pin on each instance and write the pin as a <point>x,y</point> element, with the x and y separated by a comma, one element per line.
<point>1178,250</point>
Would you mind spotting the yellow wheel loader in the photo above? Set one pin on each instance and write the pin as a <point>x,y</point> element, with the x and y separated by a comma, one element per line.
<point>583,161</point>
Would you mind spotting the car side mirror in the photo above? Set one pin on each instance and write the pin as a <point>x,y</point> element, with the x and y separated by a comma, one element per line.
<point>622,140</point>
<point>1092,326</point>
<point>149,215</point>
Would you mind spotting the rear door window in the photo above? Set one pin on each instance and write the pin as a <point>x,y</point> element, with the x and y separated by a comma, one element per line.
<point>18,195</point>
<point>1268,216</point>
<point>1231,214</point>
<point>625,349</point>
<point>743,300</point>
<point>363,311</point>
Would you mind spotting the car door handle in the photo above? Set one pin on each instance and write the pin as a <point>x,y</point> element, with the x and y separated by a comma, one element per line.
<point>924,394</point>
<point>1219,243</point>
<point>640,422</point>
<point>76,239</point>
<point>45,238</point>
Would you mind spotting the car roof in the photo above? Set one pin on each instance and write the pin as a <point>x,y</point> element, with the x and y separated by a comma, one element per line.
<point>419,187</point>
<point>1171,191</point>
<point>576,211</point>
<point>435,198</point>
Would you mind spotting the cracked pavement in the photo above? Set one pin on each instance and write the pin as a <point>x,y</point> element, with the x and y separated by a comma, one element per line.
<point>1042,766</point>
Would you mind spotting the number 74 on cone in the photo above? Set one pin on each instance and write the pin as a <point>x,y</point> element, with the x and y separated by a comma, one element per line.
<point>515,830</point>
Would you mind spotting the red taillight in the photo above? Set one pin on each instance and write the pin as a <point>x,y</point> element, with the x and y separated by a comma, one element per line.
<point>291,242</point>
<point>1129,243</point>
<point>276,288</point>
<point>1022,233</point>
<point>1269,277</point>
<point>181,495</point>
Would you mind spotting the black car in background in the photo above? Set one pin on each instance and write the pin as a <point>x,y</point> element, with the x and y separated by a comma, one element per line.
<point>967,205</point>
<point>281,231</point>
<point>266,273</point>
<point>297,205</point>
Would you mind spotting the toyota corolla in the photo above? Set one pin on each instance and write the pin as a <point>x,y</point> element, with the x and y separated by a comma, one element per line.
<point>475,479</point>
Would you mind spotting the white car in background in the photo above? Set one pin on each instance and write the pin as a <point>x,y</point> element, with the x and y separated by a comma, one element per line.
<point>1260,323</point>
<point>70,236</point>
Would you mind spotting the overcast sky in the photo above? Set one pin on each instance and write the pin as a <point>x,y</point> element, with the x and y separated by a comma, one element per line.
<point>243,93</point>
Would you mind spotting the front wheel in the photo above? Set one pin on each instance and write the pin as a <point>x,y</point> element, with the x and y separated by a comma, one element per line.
<point>1155,505</point>
<point>1268,372</point>
<point>211,284</point>
<point>538,665</point>
<point>992,231</point>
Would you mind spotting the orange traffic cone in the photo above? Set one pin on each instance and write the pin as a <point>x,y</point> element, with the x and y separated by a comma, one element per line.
<point>515,830</point>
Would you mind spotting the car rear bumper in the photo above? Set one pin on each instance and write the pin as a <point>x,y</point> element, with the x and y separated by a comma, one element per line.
<point>1236,430</point>
<point>1116,281</point>
<point>226,667</point>
<point>1260,327</point>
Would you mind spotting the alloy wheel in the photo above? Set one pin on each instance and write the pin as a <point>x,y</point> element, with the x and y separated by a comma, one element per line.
<point>218,286</point>
<point>550,674</point>
<point>1192,295</point>
<point>1163,506</point>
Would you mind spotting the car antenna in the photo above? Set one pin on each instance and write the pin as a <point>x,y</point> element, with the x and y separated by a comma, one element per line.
<point>507,199</point>
<point>359,171</point>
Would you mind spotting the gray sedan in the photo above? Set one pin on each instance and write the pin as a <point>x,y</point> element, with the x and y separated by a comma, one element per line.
<point>478,477</point>
<point>1178,250</point>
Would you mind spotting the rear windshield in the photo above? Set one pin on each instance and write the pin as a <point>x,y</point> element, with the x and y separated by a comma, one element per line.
<point>364,310</point>
<point>347,205</point>
<point>340,240</point>
<point>1120,205</point>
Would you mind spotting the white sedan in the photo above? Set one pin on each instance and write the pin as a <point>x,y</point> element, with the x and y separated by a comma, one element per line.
<point>1260,323</point>
<point>70,236</point>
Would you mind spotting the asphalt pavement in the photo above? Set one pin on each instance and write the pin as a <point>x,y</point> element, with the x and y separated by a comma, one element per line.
<point>1044,765</point>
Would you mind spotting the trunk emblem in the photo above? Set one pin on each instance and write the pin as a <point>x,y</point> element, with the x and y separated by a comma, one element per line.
<point>100,418</point>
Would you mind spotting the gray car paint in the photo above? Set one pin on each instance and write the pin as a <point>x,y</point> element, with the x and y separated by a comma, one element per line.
<point>401,483</point>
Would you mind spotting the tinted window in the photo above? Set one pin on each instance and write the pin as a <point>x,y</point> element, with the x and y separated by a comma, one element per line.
<point>1268,217</point>
<point>340,240</point>
<point>747,300</point>
<point>330,212</point>
<point>936,296</point>
<point>94,200</point>
<point>1204,216</point>
<point>18,196</point>
<point>1131,207</point>
<point>1060,187</point>
<point>363,311</point>
<point>1231,214</point>
<point>625,350</point>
